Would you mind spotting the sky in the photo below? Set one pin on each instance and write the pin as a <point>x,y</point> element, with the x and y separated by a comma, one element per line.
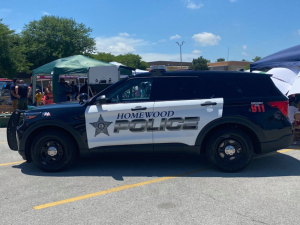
<point>248,28</point>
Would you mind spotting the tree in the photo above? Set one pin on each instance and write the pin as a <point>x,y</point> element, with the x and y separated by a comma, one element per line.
<point>221,60</point>
<point>53,37</point>
<point>105,57</point>
<point>12,55</point>
<point>132,60</point>
<point>200,64</point>
<point>256,58</point>
<point>143,65</point>
<point>129,59</point>
<point>243,60</point>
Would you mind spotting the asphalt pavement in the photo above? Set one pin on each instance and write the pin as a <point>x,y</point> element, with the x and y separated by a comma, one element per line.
<point>150,190</point>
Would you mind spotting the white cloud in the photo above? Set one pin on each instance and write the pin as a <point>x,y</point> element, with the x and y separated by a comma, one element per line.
<point>124,34</point>
<point>207,39</point>
<point>162,40</point>
<point>191,5</point>
<point>119,45</point>
<point>244,46</point>
<point>244,53</point>
<point>196,51</point>
<point>150,57</point>
<point>175,37</point>
<point>46,13</point>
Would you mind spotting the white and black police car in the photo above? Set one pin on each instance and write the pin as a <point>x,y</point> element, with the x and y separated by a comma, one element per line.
<point>230,116</point>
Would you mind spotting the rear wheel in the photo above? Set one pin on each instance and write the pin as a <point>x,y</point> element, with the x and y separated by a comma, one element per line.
<point>53,151</point>
<point>229,150</point>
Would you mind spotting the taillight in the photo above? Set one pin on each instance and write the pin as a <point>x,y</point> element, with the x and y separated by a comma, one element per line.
<point>282,106</point>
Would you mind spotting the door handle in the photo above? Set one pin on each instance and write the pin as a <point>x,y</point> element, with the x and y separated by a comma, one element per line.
<point>208,103</point>
<point>138,108</point>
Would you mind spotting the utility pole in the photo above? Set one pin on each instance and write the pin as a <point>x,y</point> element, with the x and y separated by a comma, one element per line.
<point>180,53</point>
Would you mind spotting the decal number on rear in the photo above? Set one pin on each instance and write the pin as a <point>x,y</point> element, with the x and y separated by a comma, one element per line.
<point>257,107</point>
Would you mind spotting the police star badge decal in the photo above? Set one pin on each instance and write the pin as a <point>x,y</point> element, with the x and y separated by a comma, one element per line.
<point>101,126</point>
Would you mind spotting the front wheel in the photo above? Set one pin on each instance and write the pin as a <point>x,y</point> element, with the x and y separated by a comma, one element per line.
<point>230,150</point>
<point>53,151</point>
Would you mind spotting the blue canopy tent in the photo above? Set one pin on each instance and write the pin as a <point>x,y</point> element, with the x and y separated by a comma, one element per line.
<point>286,58</point>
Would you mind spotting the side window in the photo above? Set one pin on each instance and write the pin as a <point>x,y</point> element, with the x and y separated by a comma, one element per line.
<point>176,88</point>
<point>135,90</point>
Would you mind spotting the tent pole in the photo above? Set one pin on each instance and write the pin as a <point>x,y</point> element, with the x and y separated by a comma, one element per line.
<point>33,88</point>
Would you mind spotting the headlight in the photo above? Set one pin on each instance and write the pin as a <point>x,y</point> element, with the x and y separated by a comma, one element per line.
<point>29,116</point>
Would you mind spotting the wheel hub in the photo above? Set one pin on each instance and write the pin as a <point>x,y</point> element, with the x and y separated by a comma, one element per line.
<point>230,150</point>
<point>52,151</point>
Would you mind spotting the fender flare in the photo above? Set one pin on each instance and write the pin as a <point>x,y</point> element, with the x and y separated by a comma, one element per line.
<point>230,119</point>
<point>57,123</point>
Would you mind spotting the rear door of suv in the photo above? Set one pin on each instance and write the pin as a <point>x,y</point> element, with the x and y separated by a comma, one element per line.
<point>179,114</point>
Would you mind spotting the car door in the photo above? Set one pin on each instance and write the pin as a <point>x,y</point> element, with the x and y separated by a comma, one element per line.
<point>123,120</point>
<point>179,113</point>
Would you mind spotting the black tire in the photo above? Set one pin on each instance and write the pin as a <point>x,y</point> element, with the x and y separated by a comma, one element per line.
<point>65,151</point>
<point>238,153</point>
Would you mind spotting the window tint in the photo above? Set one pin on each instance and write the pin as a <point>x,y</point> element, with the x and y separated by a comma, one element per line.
<point>176,88</point>
<point>237,87</point>
<point>135,90</point>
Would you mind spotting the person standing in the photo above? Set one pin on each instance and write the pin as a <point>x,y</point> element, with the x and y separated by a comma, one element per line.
<point>22,91</point>
<point>75,90</point>
<point>38,97</point>
<point>63,91</point>
<point>13,94</point>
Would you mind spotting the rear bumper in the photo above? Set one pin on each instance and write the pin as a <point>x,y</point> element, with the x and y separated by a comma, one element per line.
<point>281,143</point>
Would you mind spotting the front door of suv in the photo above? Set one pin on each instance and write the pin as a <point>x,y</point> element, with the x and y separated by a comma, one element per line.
<point>179,114</point>
<point>123,119</point>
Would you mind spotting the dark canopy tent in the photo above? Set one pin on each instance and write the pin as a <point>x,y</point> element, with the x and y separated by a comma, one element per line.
<point>285,58</point>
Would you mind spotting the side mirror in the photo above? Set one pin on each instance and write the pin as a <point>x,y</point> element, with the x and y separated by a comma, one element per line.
<point>101,100</point>
<point>82,97</point>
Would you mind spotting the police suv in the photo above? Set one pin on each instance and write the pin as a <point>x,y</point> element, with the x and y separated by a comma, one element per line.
<point>230,116</point>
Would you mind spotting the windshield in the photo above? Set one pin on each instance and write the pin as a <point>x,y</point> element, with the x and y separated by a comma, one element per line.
<point>107,90</point>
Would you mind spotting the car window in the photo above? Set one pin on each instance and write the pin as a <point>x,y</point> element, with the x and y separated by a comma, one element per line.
<point>134,90</point>
<point>176,88</point>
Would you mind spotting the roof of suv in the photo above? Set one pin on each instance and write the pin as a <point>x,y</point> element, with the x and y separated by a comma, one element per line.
<point>228,74</point>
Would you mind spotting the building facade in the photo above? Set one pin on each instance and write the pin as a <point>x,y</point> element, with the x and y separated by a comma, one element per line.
<point>170,65</point>
<point>228,66</point>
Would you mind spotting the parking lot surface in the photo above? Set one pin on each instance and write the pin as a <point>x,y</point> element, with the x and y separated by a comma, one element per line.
<point>150,190</point>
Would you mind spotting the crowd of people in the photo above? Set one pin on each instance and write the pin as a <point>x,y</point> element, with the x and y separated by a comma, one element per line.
<point>20,93</point>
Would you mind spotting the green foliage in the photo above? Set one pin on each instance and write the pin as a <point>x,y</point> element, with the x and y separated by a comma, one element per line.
<point>52,37</point>
<point>200,64</point>
<point>104,57</point>
<point>247,67</point>
<point>12,55</point>
<point>221,60</point>
<point>243,60</point>
<point>256,58</point>
<point>129,59</point>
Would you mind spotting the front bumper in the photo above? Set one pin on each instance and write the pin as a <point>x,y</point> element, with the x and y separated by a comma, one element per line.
<point>284,142</point>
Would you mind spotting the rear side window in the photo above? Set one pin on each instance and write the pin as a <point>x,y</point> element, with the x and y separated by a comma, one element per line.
<point>176,88</point>
<point>237,87</point>
<point>251,87</point>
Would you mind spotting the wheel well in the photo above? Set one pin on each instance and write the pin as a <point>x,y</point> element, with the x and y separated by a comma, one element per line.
<point>40,130</point>
<point>248,131</point>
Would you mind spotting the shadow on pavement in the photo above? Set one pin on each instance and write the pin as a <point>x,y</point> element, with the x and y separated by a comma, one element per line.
<point>161,166</point>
